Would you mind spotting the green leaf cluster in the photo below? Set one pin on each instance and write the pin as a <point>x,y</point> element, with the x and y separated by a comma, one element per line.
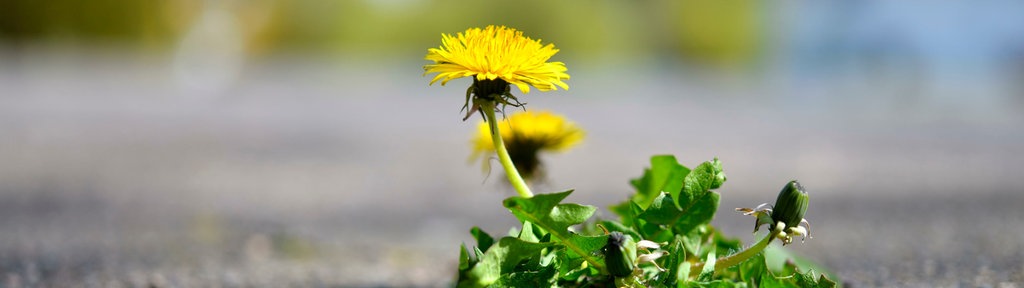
<point>559,245</point>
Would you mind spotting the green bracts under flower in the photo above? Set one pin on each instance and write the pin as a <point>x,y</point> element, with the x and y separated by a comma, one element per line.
<point>791,205</point>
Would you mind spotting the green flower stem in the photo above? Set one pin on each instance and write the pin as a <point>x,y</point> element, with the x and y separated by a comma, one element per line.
<point>735,259</point>
<point>499,145</point>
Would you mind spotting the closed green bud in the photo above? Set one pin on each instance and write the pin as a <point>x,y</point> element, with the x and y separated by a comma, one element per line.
<point>619,253</point>
<point>791,205</point>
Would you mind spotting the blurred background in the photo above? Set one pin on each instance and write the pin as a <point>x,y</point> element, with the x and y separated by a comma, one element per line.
<point>275,143</point>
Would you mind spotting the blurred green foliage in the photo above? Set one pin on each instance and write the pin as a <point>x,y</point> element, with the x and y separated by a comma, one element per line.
<point>719,31</point>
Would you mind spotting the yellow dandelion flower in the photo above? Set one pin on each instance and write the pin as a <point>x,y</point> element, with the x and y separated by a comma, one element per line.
<point>526,134</point>
<point>497,52</point>
<point>498,57</point>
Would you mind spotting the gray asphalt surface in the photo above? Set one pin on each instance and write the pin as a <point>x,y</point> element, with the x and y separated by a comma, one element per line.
<point>339,173</point>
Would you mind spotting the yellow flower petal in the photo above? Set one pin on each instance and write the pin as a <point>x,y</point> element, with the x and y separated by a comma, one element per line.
<point>545,130</point>
<point>497,52</point>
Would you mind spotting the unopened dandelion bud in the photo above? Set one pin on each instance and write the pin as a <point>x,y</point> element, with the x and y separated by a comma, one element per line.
<point>619,253</point>
<point>791,204</point>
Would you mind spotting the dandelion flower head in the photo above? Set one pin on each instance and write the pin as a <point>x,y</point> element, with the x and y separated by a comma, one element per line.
<point>497,52</point>
<point>526,134</point>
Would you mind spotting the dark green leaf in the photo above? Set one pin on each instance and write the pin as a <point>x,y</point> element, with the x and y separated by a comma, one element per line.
<point>570,269</point>
<point>613,226</point>
<point>478,254</point>
<point>699,213</point>
<point>691,241</point>
<point>697,182</point>
<point>751,271</point>
<point>665,174</point>
<point>527,234</point>
<point>545,212</point>
<point>483,240</point>
<point>719,174</point>
<point>713,284</point>
<point>682,273</point>
<point>790,276</point>
<point>671,262</point>
<point>501,258</point>
<point>463,258</point>
<point>663,211</point>
<point>544,277</point>
<point>465,262</point>
<point>709,267</point>
<point>589,244</point>
<point>623,210</point>
<point>541,204</point>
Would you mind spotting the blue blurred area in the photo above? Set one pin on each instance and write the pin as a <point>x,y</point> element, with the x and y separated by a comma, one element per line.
<point>958,57</point>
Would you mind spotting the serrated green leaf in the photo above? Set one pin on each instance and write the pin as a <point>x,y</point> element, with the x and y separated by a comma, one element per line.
<point>545,238</point>
<point>720,177</point>
<point>672,262</point>
<point>776,257</point>
<point>527,234</point>
<point>613,226</point>
<point>569,269</point>
<point>672,204</point>
<point>692,242</point>
<point>478,254</point>
<point>682,274</point>
<point>791,277</point>
<point>623,210</point>
<point>544,277</point>
<point>571,264</point>
<point>545,212</point>
<point>547,259</point>
<point>589,244</point>
<point>463,258</point>
<point>465,262</point>
<point>636,210</point>
<point>565,215</point>
<point>483,240</point>
<point>709,268</point>
<point>665,174</point>
<point>697,182</point>
<point>501,258</point>
<point>663,211</point>
<point>751,271</point>
<point>540,204</point>
<point>699,213</point>
<point>806,279</point>
<point>825,282</point>
<point>713,284</point>
<point>641,184</point>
